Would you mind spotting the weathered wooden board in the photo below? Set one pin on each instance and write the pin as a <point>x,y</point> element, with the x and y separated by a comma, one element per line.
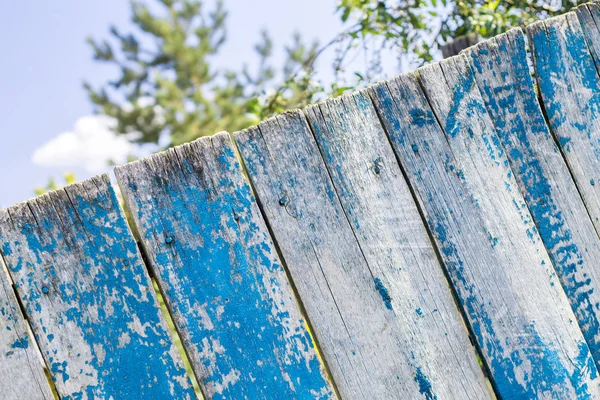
<point>217,266</point>
<point>459,44</point>
<point>354,314</point>
<point>520,316</point>
<point>21,371</point>
<point>589,18</point>
<point>503,77</point>
<point>398,251</point>
<point>88,298</point>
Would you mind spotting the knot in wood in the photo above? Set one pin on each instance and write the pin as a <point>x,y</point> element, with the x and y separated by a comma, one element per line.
<point>378,166</point>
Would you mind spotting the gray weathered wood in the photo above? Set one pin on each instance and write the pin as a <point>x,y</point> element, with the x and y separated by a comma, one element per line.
<point>503,77</point>
<point>504,278</point>
<point>346,310</point>
<point>459,44</point>
<point>399,253</point>
<point>217,266</point>
<point>21,370</point>
<point>570,92</point>
<point>589,18</point>
<point>350,308</point>
<point>88,297</point>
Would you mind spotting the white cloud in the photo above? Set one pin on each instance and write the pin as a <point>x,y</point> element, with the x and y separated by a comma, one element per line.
<point>90,145</point>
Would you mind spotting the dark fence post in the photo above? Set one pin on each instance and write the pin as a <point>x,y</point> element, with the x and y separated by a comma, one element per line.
<point>459,44</point>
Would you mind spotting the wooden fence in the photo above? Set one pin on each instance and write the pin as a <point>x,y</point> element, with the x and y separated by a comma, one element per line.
<point>435,236</point>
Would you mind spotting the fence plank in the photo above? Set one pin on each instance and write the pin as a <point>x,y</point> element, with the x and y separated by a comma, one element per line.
<point>570,92</point>
<point>497,263</point>
<point>589,18</point>
<point>216,264</point>
<point>396,246</point>
<point>21,372</point>
<point>90,302</point>
<point>337,290</point>
<point>459,44</point>
<point>350,309</point>
<point>503,76</point>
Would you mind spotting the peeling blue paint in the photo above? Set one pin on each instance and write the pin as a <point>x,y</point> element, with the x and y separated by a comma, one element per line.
<point>541,359</point>
<point>424,385</point>
<point>385,294</point>
<point>221,276</point>
<point>518,132</point>
<point>564,143</point>
<point>422,117</point>
<point>101,300</point>
<point>550,64</point>
<point>21,343</point>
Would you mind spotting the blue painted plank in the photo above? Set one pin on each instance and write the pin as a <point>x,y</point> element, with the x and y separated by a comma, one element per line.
<point>220,273</point>
<point>88,297</point>
<point>570,91</point>
<point>394,241</point>
<point>520,316</point>
<point>21,370</point>
<point>503,76</point>
<point>588,15</point>
<point>358,309</point>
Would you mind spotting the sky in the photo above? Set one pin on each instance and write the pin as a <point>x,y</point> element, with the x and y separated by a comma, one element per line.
<point>47,125</point>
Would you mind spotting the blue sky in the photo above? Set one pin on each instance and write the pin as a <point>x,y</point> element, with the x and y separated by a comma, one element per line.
<point>45,60</point>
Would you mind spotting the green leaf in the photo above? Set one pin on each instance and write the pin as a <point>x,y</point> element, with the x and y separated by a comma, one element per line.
<point>346,14</point>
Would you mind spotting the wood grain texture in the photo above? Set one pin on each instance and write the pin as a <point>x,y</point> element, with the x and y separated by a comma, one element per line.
<point>459,44</point>
<point>21,371</point>
<point>589,17</point>
<point>432,337</point>
<point>504,278</point>
<point>503,77</point>
<point>217,266</point>
<point>88,297</point>
<point>350,309</point>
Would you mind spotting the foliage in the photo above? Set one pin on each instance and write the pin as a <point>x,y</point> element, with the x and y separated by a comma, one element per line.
<point>418,28</point>
<point>169,91</point>
<point>168,85</point>
<point>68,179</point>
